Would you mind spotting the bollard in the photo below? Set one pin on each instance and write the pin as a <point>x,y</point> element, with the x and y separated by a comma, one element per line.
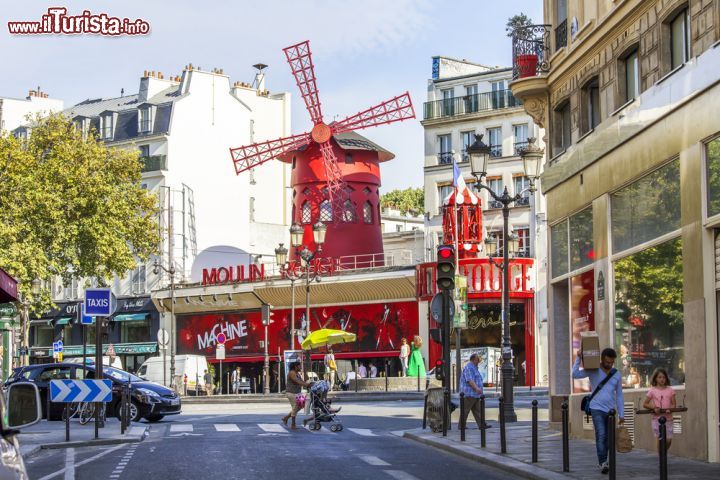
<point>67,422</point>
<point>425,411</point>
<point>418,381</point>
<point>565,436</point>
<point>662,449</point>
<point>386,375</point>
<point>357,380</point>
<point>462,417</point>
<point>534,431</point>
<point>482,421</point>
<point>611,443</point>
<point>503,443</point>
<point>446,409</point>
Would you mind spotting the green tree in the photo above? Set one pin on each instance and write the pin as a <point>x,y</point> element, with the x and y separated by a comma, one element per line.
<point>72,207</point>
<point>409,200</point>
<point>517,22</point>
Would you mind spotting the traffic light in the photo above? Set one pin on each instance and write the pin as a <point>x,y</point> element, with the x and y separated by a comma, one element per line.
<point>446,267</point>
<point>439,370</point>
<point>265,314</point>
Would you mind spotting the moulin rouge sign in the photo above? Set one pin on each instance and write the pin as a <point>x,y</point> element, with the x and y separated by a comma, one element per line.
<point>233,274</point>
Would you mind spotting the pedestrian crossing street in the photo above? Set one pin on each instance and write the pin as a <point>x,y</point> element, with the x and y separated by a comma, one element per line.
<point>261,429</point>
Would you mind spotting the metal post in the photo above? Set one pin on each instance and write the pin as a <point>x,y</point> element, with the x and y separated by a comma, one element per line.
<point>458,369</point>
<point>98,368</point>
<point>292,314</point>
<point>534,431</point>
<point>164,354</point>
<point>503,442</point>
<point>611,443</point>
<point>446,358</point>
<point>507,365</point>
<point>418,377</point>
<point>386,375</point>
<point>483,426</point>
<point>172,327</point>
<point>84,334</point>
<point>221,382</point>
<point>662,448</point>
<point>425,411</point>
<point>462,416</point>
<point>266,364</point>
<point>565,436</point>
<point>67,422</point>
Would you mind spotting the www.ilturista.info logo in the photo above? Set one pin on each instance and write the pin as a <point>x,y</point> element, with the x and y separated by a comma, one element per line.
<point>57,21</point>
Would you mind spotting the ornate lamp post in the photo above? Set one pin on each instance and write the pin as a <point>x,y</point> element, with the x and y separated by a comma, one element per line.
<point>157,266</point>
<point>479,154</point>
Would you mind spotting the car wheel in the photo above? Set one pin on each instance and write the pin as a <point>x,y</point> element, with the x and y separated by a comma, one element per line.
<point>154,418</point>
<point>134,411</point>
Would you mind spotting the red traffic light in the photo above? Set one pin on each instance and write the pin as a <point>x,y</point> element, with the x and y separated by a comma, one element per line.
<point>438,363</point>
<point>445,252</point>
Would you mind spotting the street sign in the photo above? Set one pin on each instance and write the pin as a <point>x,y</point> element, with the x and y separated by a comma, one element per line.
<point>86,319</point>
<point>221,338</point>
<point>99,302</point>
<point>220,352</point>
<point>66,391</point>
<point>58,346</point>
<point>163,337</point>
<point>436,307</point>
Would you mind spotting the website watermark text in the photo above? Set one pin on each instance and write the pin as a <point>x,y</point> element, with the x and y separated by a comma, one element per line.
<point>58,22</point>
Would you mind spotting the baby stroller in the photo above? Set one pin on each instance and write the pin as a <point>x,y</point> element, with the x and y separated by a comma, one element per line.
<point>321,409</point>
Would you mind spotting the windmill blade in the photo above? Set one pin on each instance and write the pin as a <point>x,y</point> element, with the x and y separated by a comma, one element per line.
<point>335,184</point>
<point>253,155</point>
<point>394,110</point>
<point>300,59</point>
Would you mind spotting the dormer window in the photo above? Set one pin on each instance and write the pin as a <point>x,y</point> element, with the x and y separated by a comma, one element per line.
<point>145,120</point>
<point>82,125</point>
<point>106,126</point>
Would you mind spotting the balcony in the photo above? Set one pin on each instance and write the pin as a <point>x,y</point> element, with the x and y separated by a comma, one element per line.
<point>153,163</point>
<point>495,204</point>
<point>481,102</point>
<point>561,35</point>
<point>495,151</point>
<point>519,146</point>
<point>445,158</point>
<point>531,51</point>
<point>523,201</point>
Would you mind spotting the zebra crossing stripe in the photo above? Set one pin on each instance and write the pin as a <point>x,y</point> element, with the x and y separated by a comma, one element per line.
<point>365,432</point>
<point>272,428</point>
<point>181,428</point>
<point>226,427</point>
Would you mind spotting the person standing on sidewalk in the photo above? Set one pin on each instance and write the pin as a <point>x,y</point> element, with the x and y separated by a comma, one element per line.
<point>330,368</point>
<point>208,378</point>
<point>471,384</point>
<point>235,379</point>
<point>404,355</point>
<point>609,396</point>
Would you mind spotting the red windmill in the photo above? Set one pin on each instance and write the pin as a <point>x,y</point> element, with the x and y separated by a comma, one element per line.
<point>342,194</point>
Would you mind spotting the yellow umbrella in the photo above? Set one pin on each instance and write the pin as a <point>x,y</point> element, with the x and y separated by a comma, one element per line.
<point>327,336</point>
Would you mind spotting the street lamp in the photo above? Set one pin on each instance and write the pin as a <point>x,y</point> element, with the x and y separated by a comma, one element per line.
<point>157,266</point>
<point>479,154</point>
<point>281,260</point>
<point>25,323</point>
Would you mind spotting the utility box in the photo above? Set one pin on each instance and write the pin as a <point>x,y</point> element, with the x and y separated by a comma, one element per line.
<point>590,344</point>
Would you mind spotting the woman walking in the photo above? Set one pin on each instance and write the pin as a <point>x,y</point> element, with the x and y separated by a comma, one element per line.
<point>404,355</point>
<point>294,386</point>
<point>416,365</point>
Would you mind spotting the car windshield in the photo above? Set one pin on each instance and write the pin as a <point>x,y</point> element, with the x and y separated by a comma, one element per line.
<point>120,375</point>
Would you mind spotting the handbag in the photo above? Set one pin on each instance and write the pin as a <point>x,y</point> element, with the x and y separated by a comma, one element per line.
<point>300,400</point>
<point>623,442</point>
<point>585,403</point>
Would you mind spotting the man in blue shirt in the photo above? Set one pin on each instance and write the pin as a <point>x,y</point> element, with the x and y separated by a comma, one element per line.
<point>609,397</point>
<point>471,384</point>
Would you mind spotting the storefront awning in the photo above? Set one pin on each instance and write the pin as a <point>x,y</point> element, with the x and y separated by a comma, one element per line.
<point>63,321</point>
<point>130,317</point>
<point>120,349</point>
<point>43,322</point>
<point>8,287</point>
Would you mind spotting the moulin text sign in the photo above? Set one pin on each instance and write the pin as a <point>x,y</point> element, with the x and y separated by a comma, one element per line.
<point>231,274</point>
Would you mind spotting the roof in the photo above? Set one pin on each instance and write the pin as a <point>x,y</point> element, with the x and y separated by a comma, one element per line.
<point>354,141</point>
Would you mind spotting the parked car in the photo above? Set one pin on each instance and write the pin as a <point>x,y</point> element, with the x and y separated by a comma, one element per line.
<point>19,408</point>
<point>149,400</point>
<point>192,366</point>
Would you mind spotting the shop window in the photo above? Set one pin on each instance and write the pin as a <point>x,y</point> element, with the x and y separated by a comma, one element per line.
<point>306,213</point>
<point>135,331</point>
<point>561,128</point>
<point>582,318</point>
<point>326,211</point>
<point>646,209</point>
<point>590,95</point>
<point>649,314</point>
<point>713,177</point>
<point>581,239</point>
<point>44,336</point>
<point>559,248</point>
<point>367,212</point>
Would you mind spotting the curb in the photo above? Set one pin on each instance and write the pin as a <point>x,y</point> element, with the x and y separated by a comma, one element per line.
<point>34,449</point>
<point>498,461</point>
<point>343,397</point>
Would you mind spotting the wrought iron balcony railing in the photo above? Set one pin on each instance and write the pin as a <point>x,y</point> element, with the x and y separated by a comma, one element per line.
<point>561,35</point>
<point>522,201</point>
<point>480,102</point>
<point>518,146</point>
<point>445,158</point>
<point>154,162</point>
<point>531,50</point>
<point>496,151</point>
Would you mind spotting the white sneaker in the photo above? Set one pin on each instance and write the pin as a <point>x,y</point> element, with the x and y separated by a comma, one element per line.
<point>604,468</point>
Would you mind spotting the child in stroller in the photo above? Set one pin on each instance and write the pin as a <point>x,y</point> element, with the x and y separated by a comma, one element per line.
<point>321,408</point>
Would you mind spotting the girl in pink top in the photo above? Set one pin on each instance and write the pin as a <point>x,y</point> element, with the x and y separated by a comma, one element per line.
<point>660,398</point>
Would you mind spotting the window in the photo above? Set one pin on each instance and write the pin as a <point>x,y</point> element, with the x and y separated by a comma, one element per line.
<point>582,252</point>
<point>144,120</point>
<point>107,126</point>
<point>444,192</point>
<point>367,212</point>
<point>523,234</point>
<point>44,336</point>
<point>467,139</point>
<point>495,184</point>
<point>632,76</point>
<point>349,159</point>
<point>326,211</point>
<point>348,212</point>
<point>495,141</point>
<point>71,289</point>
<point>522,185</point>
<point>135,331</point>
<point>306,213</point>
<point>252,209</point>
<point>559,248</point>
<point>646,209</point>
<point>591,106</point>
<point>713,177</point>
<point>561,128</point>
<point>679,40</point>
<point>561,22</point>
<point>649,314</point>
<point>138,280</point>
<point>448,99</point>
<point>444,149</point>
<point>499,238</point>
<point>471,98</point>
<point>520,134</point>
<point>144,150</point>
<point>499,93</point>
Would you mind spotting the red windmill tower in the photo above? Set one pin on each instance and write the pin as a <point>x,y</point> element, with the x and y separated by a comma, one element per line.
<point>345,194</point>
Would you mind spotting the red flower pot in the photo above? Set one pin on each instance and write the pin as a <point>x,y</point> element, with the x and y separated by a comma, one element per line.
<point>526,65</point>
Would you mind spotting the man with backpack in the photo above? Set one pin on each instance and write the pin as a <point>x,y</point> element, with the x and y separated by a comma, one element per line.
<point>607,394</point>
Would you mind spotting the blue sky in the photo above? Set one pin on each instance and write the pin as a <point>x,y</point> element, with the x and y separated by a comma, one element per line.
<point>364,52</point>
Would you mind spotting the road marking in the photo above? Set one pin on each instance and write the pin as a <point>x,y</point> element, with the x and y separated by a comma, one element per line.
<point>373,460</point>
<point>365,432</point>
<point>181,428</point>
<point>226,427</point>
<point>80,464</point>
<point>70,464</point>
<point>137,430</point>
<point>400,475</point>
<point>272,428</point>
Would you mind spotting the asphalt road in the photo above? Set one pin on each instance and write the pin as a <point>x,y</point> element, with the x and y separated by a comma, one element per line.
<point>249,442</point>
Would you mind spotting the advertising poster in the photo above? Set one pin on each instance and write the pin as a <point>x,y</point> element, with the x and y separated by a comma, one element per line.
<point>582,317</point>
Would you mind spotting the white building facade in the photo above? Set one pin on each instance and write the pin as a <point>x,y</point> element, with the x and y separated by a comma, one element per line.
<point>14,111</point>
<point>465,99</point>
<point>403,237</point>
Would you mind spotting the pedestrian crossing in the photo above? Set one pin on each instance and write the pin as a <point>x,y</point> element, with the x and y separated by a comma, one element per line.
<point>177,429</point>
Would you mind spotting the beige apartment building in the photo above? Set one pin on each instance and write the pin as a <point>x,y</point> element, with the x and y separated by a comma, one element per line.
<point>628,92</point>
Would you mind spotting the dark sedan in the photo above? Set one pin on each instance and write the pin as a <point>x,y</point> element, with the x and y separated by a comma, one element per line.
<point>149,400</point>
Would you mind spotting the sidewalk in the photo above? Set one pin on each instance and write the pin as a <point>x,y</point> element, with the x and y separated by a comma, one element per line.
<point>638,464</point>
<point>52,435</point>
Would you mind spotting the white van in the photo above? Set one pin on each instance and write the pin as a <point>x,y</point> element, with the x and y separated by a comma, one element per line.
<point>193,366</point>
